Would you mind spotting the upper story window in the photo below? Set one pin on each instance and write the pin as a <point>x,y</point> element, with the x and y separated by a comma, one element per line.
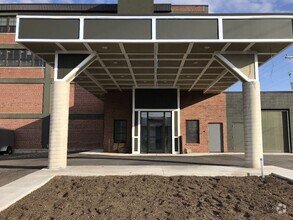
<point>7,24</point>
<point>21,58</point>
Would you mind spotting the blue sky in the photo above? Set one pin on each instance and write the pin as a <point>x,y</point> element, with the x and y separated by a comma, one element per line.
<point>273,75</point>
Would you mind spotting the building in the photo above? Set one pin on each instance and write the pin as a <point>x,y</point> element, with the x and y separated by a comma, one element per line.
<point>277,121</point>
<point>159,70</point>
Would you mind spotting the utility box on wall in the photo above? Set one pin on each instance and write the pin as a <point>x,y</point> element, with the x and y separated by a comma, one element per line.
<point>135,7</point>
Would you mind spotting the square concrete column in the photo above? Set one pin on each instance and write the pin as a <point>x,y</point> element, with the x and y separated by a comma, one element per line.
<point>252,124</point>
<point>59,125</point>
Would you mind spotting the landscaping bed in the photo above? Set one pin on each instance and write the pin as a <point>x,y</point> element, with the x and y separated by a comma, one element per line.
<point>156,197</point>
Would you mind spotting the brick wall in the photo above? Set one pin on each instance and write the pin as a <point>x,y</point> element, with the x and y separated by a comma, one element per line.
<point>7,38</point>
<point>81,101</point>
<point>189,9</point>
<point>21,98</point>
<point>194,106</point>
<point>206,109</point>
<point>118,106</point>
<point>28,132</point>
<point>26,72</point>
<point>85,134</point>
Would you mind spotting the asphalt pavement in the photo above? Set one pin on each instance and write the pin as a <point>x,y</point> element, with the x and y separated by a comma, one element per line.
<point>12,167</point>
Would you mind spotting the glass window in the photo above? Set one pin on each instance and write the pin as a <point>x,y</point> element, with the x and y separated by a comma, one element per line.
<point>2,57</point>
<point>22,58</point>
<point>120,131</point>
<point>3,24</point>
<point>13,57</point>
<point>12,24</point>
<point>7,24</point>
<point>192,131</point>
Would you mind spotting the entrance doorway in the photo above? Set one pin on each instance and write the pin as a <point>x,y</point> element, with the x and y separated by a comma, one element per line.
<point>156,132</point>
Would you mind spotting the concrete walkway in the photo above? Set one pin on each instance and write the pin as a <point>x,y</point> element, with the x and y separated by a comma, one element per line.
<point>20,188</point>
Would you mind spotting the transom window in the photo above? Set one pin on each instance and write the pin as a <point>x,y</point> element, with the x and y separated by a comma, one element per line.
<point>7,24</point>
<point>192,131</point>
<point>21,58</point>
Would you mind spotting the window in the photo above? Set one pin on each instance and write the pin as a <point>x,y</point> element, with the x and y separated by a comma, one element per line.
<point>120,131</point>
<point>21,58</point>
<point>192,131</point>
<point>7,24</point>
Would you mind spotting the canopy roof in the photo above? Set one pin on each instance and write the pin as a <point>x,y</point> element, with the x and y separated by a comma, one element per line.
<point>156,51</point>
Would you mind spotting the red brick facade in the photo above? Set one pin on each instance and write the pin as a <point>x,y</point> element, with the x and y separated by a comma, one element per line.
<point>21,98</point>
<point>85,134</point>
<point>28,98</point>
<point>118,106</point>
<point>28,132</point>
<point>81,101</point>
<point>194,106</point>
<point>7,38</point>
<point>190,8</point>
<point>24,72</point>
<point>207,109</point>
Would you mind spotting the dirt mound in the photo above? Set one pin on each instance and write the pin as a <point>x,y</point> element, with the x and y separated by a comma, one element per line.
<point>154,197</point>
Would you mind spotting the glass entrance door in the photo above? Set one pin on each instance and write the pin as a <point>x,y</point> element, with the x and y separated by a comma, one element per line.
<point>156,132</point>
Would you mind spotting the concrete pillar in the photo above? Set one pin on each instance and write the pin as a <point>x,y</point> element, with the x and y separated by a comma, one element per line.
<point>59,125</point>
<point>252,124</point>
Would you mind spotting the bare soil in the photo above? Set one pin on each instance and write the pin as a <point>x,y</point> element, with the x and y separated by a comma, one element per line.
<point>155,197</point>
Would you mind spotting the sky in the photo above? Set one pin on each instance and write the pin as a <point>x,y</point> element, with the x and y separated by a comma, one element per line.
<point>274,75</point>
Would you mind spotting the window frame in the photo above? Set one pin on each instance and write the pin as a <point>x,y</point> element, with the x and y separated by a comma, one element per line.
<point>34,60</point>
<point>8,27</point>
<point>187,133</point>
<point>124,133</point>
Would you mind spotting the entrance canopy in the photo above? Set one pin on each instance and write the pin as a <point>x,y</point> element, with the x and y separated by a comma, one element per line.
<point>202,53</point>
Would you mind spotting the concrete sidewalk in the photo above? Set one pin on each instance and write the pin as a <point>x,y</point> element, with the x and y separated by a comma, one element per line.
<point>20,188</point>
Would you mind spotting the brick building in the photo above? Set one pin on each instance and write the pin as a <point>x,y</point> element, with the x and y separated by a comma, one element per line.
<point>133,77</point>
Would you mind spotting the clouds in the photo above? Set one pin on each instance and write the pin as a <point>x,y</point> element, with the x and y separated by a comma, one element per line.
<point>215,6</point>
<point>240,6</point>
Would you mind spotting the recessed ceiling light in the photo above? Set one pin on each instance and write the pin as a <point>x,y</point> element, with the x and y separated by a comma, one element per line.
<point>115,62</point>
<point>187,76</point>
<point>207,47</point>
<point>195,62</point>
<point>104,47</point>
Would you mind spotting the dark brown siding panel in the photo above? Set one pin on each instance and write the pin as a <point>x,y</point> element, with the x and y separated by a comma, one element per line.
<point>117,29</point>
<point>257,29</point>
<point>48,28</point>
<point>187,29</point>
<point>156,98</point>
<point>67,62</point>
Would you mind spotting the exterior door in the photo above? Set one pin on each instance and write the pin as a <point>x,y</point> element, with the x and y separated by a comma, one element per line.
<point>156,136</point>
<point>156,132</point>
<point>215,137</point>
<point>275,131</point>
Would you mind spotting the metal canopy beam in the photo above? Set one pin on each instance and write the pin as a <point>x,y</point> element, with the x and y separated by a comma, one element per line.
<point>216,80</point>
<point>233,69</point>
<point>128,63</point>
<point>190,46</point>
<point>201,74</point>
